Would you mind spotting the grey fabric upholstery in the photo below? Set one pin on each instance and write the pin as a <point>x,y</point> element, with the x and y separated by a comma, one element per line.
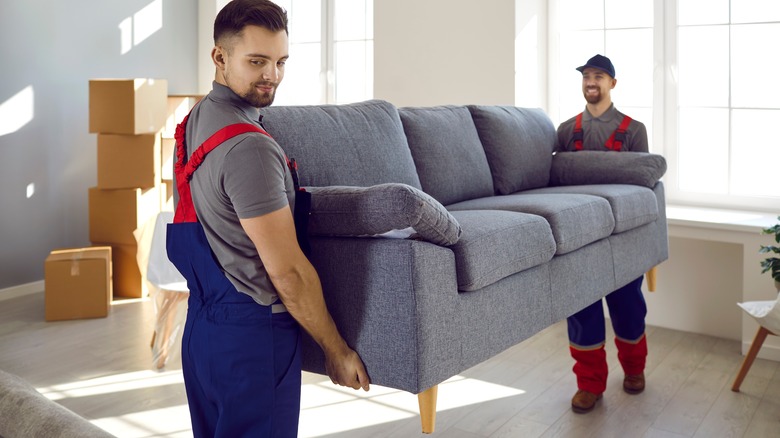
<point>445,147</point>
<point>419,312</point>
<point>503,314</point>
<point>580,278</point>
<point>24,412</point>
<point>632,206</point>
<point>368,211</point>
<point>395,302</point>
<point>575,220</point>
<point>606,167</point>
<point>496,244</point>
<point>518,144</point>
<point>360,144</point>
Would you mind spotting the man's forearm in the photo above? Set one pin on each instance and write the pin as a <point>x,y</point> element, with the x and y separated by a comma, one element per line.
<point>301,292</point>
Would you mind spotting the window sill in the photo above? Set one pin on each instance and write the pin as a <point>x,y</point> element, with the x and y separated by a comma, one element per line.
<point>719,219</point>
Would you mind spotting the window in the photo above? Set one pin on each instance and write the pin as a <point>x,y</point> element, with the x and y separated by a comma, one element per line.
<point>699,74</point>
<point>728,102</point>
<point>331,52</point>
<point>620,30</point>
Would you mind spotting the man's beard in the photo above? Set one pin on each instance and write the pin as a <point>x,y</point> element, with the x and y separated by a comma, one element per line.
<point>257,100</point>
<point>592,98</point>
<point>252,96</point>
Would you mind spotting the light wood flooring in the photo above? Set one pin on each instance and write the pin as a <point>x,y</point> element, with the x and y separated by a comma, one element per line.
<point>102,369</point>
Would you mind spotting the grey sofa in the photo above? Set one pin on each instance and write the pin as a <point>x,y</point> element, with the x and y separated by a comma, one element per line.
<point>504,238</point>
<point>24,413</point>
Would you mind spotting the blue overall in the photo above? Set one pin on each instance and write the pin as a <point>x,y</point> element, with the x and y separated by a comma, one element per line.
<point>241,361</point>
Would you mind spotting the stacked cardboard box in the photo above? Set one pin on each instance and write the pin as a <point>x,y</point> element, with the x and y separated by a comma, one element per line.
<point>178,107</point>
<point>127,115</point>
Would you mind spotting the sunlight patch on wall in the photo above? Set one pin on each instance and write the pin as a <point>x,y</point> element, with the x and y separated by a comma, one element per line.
<point>17,111</point>
<point>30,190</point>
<point>143,24</point>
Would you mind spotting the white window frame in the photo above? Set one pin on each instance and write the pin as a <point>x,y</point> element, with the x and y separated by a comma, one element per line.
<point>207,12</point>
<point>665,109</point>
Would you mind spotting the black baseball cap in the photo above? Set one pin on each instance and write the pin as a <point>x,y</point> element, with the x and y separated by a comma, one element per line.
<point>600,62</point>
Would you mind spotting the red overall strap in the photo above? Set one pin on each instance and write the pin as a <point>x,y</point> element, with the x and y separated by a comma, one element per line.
<point>613,143</point>
<point>577,136</point>
<point>185,210</point>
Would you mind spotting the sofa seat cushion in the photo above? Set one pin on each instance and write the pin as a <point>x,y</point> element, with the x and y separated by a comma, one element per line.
<point>632,206</point>
<point>445,146</point>
<point>495,244</point>
<point>359,144</point>
<point>576,220</point>
<point>379,210</point>
<point>518,145</point>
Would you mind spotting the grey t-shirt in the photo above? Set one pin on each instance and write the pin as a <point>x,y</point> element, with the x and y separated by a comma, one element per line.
<point>245,177</point>
<point>596,131</point>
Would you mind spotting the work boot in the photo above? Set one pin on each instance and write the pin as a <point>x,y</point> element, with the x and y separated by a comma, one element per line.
<point>634,383</point>
<point>584,401</point>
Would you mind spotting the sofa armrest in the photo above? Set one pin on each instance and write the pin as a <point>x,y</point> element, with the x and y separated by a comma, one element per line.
<point>26,412</point>
<point>606,167</point>
<point>380,209</point>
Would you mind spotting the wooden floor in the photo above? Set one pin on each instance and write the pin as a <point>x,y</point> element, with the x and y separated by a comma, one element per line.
<point>102,369</point>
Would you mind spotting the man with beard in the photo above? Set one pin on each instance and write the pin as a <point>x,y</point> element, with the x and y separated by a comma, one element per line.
<point>234,240</point>
<point>601,127</point>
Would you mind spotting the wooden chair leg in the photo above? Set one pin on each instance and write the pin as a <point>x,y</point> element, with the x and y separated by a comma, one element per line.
<point>651,278</point>
<point>750,357</point>
<point>427,401</point>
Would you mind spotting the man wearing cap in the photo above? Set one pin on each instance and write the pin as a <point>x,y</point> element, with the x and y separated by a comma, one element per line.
<point>601,127</point>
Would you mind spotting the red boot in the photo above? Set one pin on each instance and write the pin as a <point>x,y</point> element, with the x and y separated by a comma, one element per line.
<point>590,368</point>
<point>632,356</point>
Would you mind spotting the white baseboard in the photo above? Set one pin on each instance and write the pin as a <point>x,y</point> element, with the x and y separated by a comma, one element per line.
<point>21,290</point>
<point>769,352</point>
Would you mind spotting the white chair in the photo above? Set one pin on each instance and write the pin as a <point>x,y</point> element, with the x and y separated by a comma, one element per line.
<point>167,286</point>
<point>767,314</point>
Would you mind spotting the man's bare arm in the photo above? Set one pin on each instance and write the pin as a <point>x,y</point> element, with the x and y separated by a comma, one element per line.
<point>298,286</point>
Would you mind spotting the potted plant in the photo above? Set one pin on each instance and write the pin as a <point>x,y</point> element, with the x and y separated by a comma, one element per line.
<point>772,263</point>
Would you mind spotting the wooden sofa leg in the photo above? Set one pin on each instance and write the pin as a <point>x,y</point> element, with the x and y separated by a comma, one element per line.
<point>427,401</point>
<point>651,278</point>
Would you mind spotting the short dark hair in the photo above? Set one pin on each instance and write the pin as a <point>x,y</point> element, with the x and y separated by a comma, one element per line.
<point>238,14</point>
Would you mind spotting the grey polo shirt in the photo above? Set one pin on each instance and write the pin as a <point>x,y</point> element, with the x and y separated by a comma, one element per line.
<point>596,131</point>
<point>245,177</point>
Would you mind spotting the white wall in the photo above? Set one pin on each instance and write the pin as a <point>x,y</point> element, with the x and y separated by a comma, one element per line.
<point>436,52</point>
<point>698,288</point>
<point>531,48</point>
<point>52,49</point>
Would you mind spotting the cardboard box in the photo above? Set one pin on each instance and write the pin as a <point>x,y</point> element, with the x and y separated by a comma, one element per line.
<point>78,283</point>
<point>167,191</point>
<point>127,106</point>
<point>114,214</point>
<point>178,108</point>
<point>128,281</point>
<point>167,158</point>
<point>128,161</point>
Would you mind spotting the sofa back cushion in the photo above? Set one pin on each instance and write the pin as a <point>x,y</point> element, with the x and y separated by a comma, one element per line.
<point>360,144</point>
<point>450,160</point>
<point>518,144</point>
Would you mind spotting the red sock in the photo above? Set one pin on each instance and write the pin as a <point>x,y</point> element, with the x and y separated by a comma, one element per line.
<point>632,355</point>
<point>590,367</point>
